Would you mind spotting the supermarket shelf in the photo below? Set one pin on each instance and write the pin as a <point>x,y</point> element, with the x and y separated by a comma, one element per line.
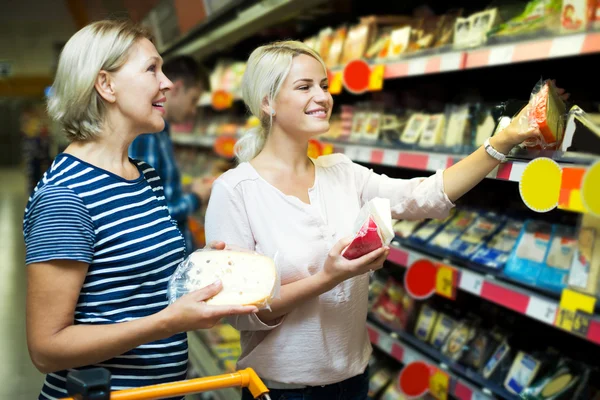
<point>186,139</point>
<point>406,349</point>
<point>511,296</point>
<point>494,55</point>
<point>243,24</point>
<point>204,362</point>
<point>511,170</point>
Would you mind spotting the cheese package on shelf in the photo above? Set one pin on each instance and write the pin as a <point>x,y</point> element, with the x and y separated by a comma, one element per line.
<point>479,232</point>
<point>373,228</point>
<point>566,381</point>
<point>458,340</point>
<point>526,261</point>
<point>585,270</point>
<point>433,132</point>
<point>522,373</point>
<point>555,272</point>
<point>430,228</point>
<point>499,363</point>
<point>458,126</point>
<point>248,278</point>
<point>425,323</point>
<point>496,252</point>
<point>458,225</point>
<point>379,382</point>
<point>414,128</point>
<point>405,228</point>
<point>444,325</point>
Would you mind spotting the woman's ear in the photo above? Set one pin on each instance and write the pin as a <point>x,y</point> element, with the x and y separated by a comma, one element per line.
<point>104,87</point>
<point>266,107</point>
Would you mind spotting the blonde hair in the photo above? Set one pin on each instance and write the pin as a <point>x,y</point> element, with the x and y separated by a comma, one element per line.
<point>74,102</point>
<point>267,68</point>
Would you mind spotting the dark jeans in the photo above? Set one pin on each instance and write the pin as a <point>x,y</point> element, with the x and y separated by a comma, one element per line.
<point>355,388</point>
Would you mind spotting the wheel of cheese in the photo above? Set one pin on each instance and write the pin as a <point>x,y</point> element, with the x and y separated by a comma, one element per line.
<point>247,278</point>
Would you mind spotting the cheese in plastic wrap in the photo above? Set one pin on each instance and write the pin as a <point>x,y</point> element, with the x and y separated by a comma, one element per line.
<point>373,229</point>
<point>248,278</point>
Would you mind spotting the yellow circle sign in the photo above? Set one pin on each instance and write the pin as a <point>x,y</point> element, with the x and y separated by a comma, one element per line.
<point>540,184</point>
<point>590,189</point>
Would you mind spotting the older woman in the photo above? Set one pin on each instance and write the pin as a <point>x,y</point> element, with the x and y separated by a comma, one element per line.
<point>101,244</point>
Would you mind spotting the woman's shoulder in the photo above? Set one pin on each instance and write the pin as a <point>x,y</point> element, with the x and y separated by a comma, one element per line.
<point>234,177</point>
<point>333,160</point>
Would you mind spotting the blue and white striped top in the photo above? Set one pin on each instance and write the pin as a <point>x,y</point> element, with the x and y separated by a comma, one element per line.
<point>123,230</point>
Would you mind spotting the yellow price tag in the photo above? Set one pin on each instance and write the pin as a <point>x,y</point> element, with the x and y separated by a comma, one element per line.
<point>445,281</point>
<point>439,384</point>
<point>335,86</point>
<point>376,78</point>
<point>574,311</point>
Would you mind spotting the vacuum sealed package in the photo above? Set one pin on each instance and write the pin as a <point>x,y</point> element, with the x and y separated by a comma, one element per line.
<point>459,338</point>
<point>480,349</point>
<point>373,228</point>
<point>458,126</point>
<point>478,232</point>
<point>405,228</point>
<point>495,253</point>
<point>499,363</point>
<point>547,111</point>
<point>430,228</point>
<point>394,306</point>
<point>527,260</point>
<point>458,225</point>
<point>443,326</point>
<point>248,278</point>
<point>425,323</point>
<point>565,381</point>
<point>379,381</point>
<point>585,270</point>
<point>414,128</point>
<point>555,272</point>
<point>433,132</point>
<point>522,373</point>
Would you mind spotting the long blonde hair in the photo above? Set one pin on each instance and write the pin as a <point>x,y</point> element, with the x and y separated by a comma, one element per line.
<point>266,70</point>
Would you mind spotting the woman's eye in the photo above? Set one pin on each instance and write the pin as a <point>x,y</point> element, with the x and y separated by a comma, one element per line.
<point>303,88</point>
<point>152,68</point>
<point>325,87</point>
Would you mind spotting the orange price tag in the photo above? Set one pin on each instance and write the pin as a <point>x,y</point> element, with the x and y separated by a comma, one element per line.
<point>439,384</point>
<point>224,146</point>
<point>376,78</point>
<point>335,86</point>
<point>445,281</point>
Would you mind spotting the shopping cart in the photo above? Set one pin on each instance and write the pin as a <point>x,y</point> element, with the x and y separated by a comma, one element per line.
<point>94,384</point>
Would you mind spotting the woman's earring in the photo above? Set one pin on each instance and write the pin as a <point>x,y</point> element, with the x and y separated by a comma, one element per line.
<point>272,112</point>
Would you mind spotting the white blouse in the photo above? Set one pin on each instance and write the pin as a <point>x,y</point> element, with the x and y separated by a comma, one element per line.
<point>324,340</point>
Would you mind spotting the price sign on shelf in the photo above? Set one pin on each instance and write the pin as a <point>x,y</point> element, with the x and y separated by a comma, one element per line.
<point>376,78</point>
<point>335,86</point>
<point>385,343</point>
<point>439,384</point>
<point>575,312</point>
<point>445,283</point>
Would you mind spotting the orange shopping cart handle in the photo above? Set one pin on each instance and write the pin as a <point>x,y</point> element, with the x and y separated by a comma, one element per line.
<point>246,378</point>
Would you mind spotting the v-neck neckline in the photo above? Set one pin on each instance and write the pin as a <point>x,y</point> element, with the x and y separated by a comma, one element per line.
<point>289,196</point>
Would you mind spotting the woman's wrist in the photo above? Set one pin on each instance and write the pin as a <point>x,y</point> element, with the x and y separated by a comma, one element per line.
<point>501,143</point>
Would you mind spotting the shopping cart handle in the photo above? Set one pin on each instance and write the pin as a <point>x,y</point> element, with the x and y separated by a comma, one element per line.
<point>246,378</point>
<point>89,384</point>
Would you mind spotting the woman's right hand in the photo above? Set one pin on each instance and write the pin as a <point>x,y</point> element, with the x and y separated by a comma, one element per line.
<point>338,269</point>
<point>191,312</point>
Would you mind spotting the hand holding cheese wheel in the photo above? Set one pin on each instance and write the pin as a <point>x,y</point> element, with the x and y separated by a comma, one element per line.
<point>247,278</point>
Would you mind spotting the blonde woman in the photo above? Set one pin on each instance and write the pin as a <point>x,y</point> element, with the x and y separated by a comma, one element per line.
<point>101,244</point>
<point>314,338</point>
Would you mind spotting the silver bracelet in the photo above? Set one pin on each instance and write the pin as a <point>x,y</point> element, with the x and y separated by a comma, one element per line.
<point>493,152</point>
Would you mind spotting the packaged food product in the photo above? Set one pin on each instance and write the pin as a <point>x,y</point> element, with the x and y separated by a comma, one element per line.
<point>547,112</point>
<point>577,15</point>
<point>457,341</point>
<point>379,381</point>
<point>499,362</point>
<point>414,128</point>
<point>564,381</point>
<point>554,274</point>
<point>433,132</point>
<point>373,228</point>
<point>425,323</point>
<point>495,253</point>
<point>458,225</point>
<point>443,326</point>
<point>248,278</point>
<point>585,270</point>
<point>522,373</point>
<point>478,233</point>
<point>334,55</point>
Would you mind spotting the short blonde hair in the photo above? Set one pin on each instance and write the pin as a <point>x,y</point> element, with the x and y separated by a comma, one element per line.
<point>267,68</point>
<point>74,102</point>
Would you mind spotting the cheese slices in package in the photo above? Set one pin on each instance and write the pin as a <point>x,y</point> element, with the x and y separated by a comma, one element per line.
<point>433,133</point>
<point>373,228</point>
<point>414,128</point>
<point>547,112</point>
<point>248,278</point>
<point>522,373</point>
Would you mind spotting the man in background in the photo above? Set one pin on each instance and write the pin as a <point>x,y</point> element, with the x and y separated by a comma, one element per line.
<point>189,81</point>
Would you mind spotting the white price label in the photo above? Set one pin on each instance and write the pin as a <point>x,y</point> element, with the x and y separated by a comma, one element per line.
<point>364,154</point>
<point>541,310</point>
<point>451,62</point>
<point>436,162</point>
<point>567,46</point>
<point>351,152</point>
<point>417,66</point>
<point>390,157</point>
<point>385,343</point>
<point>501,55</point>
<point>471,282</point>
<point>410,356</point>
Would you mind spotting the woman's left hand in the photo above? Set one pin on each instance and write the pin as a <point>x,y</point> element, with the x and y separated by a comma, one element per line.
<point>519,130</point>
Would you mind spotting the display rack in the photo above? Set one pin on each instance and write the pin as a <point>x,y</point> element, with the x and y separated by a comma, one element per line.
<point>489,287</point>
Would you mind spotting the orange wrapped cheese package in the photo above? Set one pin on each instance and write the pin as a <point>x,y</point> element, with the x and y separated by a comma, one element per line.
<point>547,112</point>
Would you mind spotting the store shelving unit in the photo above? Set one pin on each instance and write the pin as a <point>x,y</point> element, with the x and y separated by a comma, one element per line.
<point>465,384</point>
<point>205,364</point>
<point>513,296</point>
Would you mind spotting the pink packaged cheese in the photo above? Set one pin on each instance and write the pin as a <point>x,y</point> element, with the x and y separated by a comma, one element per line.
<point>373,229</point>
